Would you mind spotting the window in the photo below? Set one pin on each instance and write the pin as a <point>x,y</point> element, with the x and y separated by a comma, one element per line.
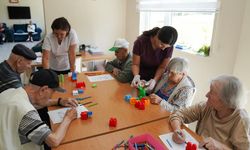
<point>193,20</point>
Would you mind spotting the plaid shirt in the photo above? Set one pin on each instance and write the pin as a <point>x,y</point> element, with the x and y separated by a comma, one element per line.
<point>8,77</point>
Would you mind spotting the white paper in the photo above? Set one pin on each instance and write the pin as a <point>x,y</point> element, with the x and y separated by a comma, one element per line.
<point>39,60</point>
<point>38,54</point>
<point>175,146</point>
<point>97,78</point>
<point>57,116</point>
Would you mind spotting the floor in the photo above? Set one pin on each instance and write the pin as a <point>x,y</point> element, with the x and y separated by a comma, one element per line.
<point>6,48</point>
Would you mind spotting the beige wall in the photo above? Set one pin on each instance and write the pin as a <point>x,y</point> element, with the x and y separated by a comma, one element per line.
<point>36,10</point>
<point>242,64</point>
<point>97,22</point>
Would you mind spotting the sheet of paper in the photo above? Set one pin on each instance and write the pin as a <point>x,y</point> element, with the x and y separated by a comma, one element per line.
<point>102,77</point>
<point>39,60</point>
<point>171,145</point>
<point>38,54</point>
<point>57,115</point>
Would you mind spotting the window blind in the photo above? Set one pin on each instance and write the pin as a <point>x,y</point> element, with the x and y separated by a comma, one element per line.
<point>178,5</point>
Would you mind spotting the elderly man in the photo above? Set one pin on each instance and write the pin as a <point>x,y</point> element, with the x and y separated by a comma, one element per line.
<point>20,125</point>
<point>220,120</point>
<point>18,62</point>
<point>121,66</point>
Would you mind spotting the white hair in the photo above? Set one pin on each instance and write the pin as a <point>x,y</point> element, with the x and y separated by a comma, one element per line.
<point>231,91</point>
<point>178,65</point>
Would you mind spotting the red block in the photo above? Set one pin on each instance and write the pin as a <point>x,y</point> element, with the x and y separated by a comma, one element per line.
<point>141,106</point>
<point>112,122</point>
<point>194,147</point>
<point>80,85</point>
<point>137,104</point>
<point>84,115</point>
<point>191,146</point>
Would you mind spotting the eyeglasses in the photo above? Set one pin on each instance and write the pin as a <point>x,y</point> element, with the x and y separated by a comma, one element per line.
<point>173,73</point>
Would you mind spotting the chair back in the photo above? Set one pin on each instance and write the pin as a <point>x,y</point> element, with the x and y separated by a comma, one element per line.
<point>194,92</point>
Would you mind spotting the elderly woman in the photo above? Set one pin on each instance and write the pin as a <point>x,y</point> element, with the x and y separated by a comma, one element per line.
<point>220,120</point>
<point>176,89</point>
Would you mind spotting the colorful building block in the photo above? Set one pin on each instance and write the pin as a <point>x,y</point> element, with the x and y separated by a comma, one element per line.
<point>112,122</point>
<point>142,92</point>
<point>80,91</point>
<point>127,97</point>
<point>132,100</point>
<point>141,106</point>
<point>84,115</point>
<point>94,85</point>
<point>74,77</point>
<point>80,85</point>
<point>90,113</point>
<point>75,92</point>
<point>145,100</point>
<point>191,146</point>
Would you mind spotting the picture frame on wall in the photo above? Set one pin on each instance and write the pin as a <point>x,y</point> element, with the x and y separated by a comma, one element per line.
<point>14,1</point>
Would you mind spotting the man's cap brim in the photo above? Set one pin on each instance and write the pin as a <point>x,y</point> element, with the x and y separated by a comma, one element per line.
<point>113,49</point>
<point>59,89</point>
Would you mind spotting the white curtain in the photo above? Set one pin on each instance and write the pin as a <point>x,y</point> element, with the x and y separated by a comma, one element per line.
<point>178,5</point>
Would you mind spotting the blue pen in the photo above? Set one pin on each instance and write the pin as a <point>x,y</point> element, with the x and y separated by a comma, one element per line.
<point>169,143</point>
<point>82,98</point>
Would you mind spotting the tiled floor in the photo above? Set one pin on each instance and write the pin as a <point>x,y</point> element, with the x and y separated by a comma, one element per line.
<point>6,48</point>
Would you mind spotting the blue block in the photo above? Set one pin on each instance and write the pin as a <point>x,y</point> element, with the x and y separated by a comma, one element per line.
<point>89,113</point>
<point>80,91</point>
<point>127,97</point>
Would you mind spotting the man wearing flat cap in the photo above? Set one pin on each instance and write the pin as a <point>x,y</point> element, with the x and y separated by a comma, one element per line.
<point>18,62</point>
<point>20,125</point>
<point>121,67</point>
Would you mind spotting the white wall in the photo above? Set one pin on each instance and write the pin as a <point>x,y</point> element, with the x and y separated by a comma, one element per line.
<point>242,64</point>
<point>36,10</point>
<point>97,22</point>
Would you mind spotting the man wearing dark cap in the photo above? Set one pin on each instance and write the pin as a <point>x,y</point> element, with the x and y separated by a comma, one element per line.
<point>18,62</point>
<point>20,125</point>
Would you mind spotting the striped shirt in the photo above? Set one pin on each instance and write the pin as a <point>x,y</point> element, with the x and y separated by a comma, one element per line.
<point>8,77</point>
<point>33,129</point>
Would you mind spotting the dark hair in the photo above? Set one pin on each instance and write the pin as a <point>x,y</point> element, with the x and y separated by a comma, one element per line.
<point>151,32</point>
<point>168,35</point>
<point>61,23</point>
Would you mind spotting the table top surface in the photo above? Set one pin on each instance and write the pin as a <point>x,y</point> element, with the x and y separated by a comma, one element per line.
<point>108,141</point>
<point>110,98</point>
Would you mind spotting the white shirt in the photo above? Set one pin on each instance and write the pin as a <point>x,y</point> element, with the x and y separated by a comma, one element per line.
<point>59,57</point>
<point>31,28</point>
<point>14,104</point>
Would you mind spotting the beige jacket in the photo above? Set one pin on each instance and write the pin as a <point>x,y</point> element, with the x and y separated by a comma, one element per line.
<point>233,131</point>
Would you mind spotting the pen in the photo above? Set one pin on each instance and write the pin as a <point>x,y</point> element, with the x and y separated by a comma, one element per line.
<point>85,103</point>
<point>169,143</point>
<point>181,136</point>
<point>93,104</point>
<point>82,98</point>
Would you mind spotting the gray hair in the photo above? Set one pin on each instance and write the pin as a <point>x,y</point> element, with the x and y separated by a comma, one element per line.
<point>231,91</point>
<point>178,65</point>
